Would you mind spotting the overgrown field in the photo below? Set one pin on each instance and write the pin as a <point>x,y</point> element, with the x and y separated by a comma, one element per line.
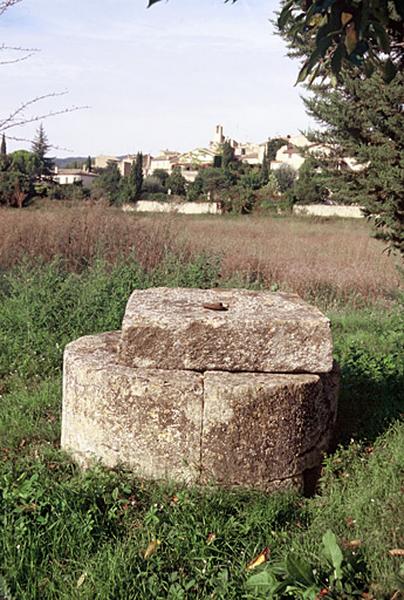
<point>66,534</point>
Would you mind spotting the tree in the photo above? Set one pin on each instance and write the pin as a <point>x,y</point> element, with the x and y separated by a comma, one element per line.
<point>364,128</point>
<point>20,116</point>
<point>17,176</point>
<point>132,185</point>
<point>89,164</point>
<point>285,177</point>
<point>153,185</point>
<point>311,185</point>
<point>136,175</point>
<point>365,34</point>
<point>195,189</point>
<point>273,145</point>
<point>3,149</point>
<point>176,182</point>
<point>40,148</point>
<point>227,155</point>
<point>213,181</point>
<point>108,184</point>
<point>368,34</point>
<point>162,175</point>
<point>264,170</point>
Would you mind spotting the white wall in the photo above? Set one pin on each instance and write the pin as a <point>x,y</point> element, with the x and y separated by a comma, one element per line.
<point>328,210</point>
<point>185,208</point>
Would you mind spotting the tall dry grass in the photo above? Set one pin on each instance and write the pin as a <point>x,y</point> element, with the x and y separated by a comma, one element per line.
<point>334,258</point>
<point>328,260</point>
<point>81,234</point>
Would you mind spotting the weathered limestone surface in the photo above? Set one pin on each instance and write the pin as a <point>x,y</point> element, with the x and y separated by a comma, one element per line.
<point>146,420</point>
<point>266,430</point>
<point>260,332</point>
<point>252,429</point>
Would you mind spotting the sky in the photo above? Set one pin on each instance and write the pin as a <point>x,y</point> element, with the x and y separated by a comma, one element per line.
<point>152,78</point>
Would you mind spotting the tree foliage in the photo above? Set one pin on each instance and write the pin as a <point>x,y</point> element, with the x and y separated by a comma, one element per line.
<point>365,34</point>
<point>17,175</point>
<point>364,128</point>
<point>162,175</point>
<point>3,147</point>
<point>108,184</point>
<point>227,155</point>
<point>176,182</point>
<point>40,148</point>
<point>285,176</point>
<point>311,185</point>
<point>264,170</point>
<point>132,186</point>
<point>273,145</point>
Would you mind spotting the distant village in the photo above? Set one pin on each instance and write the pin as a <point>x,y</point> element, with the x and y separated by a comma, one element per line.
<point>191,162</point>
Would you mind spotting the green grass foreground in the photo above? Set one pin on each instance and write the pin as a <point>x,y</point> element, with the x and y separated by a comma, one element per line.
<point>66,534</point>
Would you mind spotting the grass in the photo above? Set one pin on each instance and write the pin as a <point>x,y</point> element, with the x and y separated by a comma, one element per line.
<point>67,534</point>
<point>330,262</point>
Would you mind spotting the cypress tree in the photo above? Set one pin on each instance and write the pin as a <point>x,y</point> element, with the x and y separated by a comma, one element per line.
<point>3,148</point>
<point>89,166</point>
<point>264,170</point>
<point>227,155</point>
<point>138,176</point>
<point>133,184</point>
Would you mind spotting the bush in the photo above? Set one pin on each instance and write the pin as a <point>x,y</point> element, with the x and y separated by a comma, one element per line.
<point>153,185</point>
<point>310,187</point>
<point>285,177</point>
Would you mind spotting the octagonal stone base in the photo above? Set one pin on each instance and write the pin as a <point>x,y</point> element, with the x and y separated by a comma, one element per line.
<point>257,430</point>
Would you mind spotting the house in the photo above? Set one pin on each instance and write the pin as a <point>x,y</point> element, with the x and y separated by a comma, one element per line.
<point>125,164</point>
<point>188,162</point>
<point>292,154</point>
<point>166,160</point>
<point>102,161</point>
<point>74,176</point>
<point>248,152</point>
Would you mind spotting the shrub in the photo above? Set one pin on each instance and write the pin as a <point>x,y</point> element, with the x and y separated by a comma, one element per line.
<point>285,177</point>
<point>153,185</point>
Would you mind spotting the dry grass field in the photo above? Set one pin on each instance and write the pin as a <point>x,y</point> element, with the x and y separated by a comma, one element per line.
<point>331,260</point>
<point>335,258</point>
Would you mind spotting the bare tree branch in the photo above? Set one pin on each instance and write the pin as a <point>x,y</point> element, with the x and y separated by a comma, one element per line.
<point>30,141</point>
<point>17,118</point>
<point>15,60</point>
<point>6,4</point>
<point>7,121</point>
<point>47,115</point>
<point>27,53</point>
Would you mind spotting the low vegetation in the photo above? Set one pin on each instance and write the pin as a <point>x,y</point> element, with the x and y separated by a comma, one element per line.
<point>100,534</point>
<point>329,261</point>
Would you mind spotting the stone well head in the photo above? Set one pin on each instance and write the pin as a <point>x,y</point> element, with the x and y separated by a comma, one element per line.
<point>232,387</point>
